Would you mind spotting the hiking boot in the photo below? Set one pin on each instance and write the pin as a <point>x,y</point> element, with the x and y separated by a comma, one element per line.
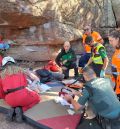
<point>10,114</point>
<point>19,114</point>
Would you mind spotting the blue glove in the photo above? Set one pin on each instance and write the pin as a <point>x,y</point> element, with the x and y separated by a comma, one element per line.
<point>102,73</point>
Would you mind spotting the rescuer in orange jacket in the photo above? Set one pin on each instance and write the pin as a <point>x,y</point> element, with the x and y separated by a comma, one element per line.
<point>14,85</point>
<point>114,40</point>
<point>96,38</point>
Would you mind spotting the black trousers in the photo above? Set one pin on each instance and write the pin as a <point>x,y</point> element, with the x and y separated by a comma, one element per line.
<point>84,59</point>
<point>89,124</point>
<point>71,66</point>
<point>101,123</point>
<point>109,123</point>
<point>97,68</point>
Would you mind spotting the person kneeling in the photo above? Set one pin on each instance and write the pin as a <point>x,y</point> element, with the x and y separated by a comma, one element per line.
<point>99,93</point>
<point>17,94</point>
<point>66,59</point>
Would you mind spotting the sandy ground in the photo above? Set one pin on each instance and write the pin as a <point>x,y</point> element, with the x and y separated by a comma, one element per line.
<point>12,125</point>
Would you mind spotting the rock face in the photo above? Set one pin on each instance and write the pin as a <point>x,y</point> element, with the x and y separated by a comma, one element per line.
<point>108,18</point>
<point>18,20</point>
<point>77,13</point>
<point>116,11</point>
<point>49,23</point>
<point>33,53</point>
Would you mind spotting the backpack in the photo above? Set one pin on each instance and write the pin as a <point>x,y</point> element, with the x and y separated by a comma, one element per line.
<point>52,66</point>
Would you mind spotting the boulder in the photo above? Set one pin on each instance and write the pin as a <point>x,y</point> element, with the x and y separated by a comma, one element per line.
<point>116,10</point>
<point>20,20</point>
<point>44,25</point>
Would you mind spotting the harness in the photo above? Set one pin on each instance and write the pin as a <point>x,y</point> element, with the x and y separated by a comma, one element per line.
<point>13,90</point>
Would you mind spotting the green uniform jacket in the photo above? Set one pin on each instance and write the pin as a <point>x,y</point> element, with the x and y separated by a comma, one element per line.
<point>69,56</point>
<point>102,98</point>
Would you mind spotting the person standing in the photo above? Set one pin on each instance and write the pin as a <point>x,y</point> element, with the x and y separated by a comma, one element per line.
<point>114,40</point>
<point>98,60</point>
<point>66,59</point>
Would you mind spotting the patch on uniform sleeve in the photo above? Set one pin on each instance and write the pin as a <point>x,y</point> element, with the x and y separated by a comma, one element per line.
<point>102,49</point>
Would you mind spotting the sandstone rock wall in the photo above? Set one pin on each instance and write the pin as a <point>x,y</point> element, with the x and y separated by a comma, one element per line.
<point>51,22</point>
<point>76,13</point>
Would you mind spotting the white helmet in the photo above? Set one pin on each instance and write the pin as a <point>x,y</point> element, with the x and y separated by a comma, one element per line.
<point>7,59</point>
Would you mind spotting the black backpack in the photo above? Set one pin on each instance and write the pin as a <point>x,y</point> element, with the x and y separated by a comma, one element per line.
<point>44,75</point>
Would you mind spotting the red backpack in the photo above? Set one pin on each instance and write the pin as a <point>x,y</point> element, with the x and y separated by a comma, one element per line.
<point>52,66</point>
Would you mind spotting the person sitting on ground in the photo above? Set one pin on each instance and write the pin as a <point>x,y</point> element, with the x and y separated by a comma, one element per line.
<point>99,59</point>
<point>96,38</point>
<point>36,78</point>
<point>33,80</point>
<point>99,93</point>
<point>47,76</point>
<point>66,59</point>
<point>14,85</point>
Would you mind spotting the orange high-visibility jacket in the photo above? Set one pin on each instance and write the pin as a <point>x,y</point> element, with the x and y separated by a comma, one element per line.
<point>96,37</point>
<point>116,65</point>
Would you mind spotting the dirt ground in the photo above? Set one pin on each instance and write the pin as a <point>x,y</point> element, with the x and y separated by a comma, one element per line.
<point>12,125</point>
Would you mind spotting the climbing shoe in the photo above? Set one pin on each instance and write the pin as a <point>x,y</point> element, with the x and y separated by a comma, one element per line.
<point>18,114</point>
<point>10,115</point>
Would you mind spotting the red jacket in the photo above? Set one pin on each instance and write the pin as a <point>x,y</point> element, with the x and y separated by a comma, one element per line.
<point>2,95</point>
<point>14,81</point>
